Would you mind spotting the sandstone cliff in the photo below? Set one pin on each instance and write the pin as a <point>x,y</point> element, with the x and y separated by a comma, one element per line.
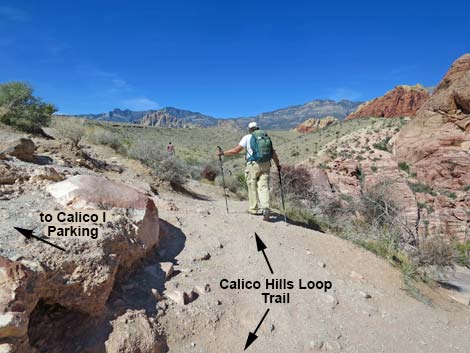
<point>399,102</point>
<point>436,144</point>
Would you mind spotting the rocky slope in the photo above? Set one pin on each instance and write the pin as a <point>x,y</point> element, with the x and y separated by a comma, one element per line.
<point>399,102</point>
<point>436,145</point>
<point>314,124</point>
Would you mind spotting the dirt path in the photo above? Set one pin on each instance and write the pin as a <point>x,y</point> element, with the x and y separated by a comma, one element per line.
<point>367,310</point>
<point>342,320</point>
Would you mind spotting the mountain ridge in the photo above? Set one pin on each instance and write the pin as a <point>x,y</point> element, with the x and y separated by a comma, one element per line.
<point>282,118</point>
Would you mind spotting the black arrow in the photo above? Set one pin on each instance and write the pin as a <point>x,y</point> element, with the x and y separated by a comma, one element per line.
<point>252,335</point>
<point>28,233</point>
<point>261,247</point>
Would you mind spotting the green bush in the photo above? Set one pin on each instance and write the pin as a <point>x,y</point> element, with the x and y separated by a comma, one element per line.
<point>102,136</point>
<point>241,179</point>
<point>382,145</point>
<point>463,253</point>
<point>21,110</point>
<point>420,187</point>
<point>404,166</point>
<point>171,170</point>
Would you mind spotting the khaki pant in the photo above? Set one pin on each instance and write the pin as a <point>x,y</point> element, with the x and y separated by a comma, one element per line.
<point>257,180</point>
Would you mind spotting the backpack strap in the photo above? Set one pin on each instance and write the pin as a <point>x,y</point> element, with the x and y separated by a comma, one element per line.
<point>251,157</point>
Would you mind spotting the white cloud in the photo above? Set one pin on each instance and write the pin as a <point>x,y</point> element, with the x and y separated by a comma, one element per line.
<point>13,14</point>
<point>115,83</point>
<point>140,103</point>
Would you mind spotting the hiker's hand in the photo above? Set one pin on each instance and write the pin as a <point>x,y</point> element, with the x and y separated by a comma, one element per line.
<point>279,167</point>
<point>219,153</point>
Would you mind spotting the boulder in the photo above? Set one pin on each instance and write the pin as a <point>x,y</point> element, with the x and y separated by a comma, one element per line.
<point>133,333</point>
<point>22,148</point>
<point>399,102</point>
<point>81,278</point>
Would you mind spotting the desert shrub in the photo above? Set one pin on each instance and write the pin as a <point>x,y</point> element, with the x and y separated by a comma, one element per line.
<point>378,207</point>
<point>21,110</point>
<point>382,145</point>
<point>231,183</point>
<point>102,136</point>
<point>449,194</point>
<point>171,170</point>
<point>420,187</point>
<point>404,166</point>
<point>425,206</point>
<point>209,172</point>
<point>241,179</point>
<point>463,253</point>
<point>298,185</point>
<point>434,252</point>
<point>71,129</point>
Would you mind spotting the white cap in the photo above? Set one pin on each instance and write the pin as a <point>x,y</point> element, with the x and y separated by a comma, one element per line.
<point>252,125</point>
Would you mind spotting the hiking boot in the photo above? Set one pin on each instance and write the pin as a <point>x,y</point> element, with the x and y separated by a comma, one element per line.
<point>266,214</point>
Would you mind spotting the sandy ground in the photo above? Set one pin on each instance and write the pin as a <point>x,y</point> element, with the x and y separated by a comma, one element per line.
<point>341,320</point>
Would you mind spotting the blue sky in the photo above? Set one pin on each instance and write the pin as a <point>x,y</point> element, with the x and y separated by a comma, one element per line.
<point>225,58</point>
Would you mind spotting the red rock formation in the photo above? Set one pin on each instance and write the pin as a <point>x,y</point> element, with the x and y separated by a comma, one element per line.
<point>400,101</point>
<point>437,146</point>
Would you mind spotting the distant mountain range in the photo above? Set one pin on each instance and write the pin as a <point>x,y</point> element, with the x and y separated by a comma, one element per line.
<point>281,119</point>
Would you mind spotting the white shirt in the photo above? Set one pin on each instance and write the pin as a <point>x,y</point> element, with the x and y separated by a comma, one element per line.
<point>245,143</point>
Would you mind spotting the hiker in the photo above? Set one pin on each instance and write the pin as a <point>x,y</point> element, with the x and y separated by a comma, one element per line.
<point>170,150</point>
<point>259,152</point>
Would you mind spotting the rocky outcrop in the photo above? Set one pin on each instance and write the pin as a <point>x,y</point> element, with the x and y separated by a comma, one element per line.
<point>436,145</point>
<point>81,278</point>
<point>314,124</point>
<point>22,148</point>
<point>399,102</point>
<point>177,118</point>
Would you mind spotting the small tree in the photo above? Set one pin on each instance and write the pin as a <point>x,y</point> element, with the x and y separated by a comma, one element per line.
<point>21,110</point>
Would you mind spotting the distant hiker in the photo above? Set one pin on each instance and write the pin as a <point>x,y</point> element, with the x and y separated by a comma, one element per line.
<point>170,150</point>
<point>259,152</point>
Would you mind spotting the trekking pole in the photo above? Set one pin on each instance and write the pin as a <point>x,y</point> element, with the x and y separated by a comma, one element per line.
<point>282,194</point>
<point>223,179</point>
